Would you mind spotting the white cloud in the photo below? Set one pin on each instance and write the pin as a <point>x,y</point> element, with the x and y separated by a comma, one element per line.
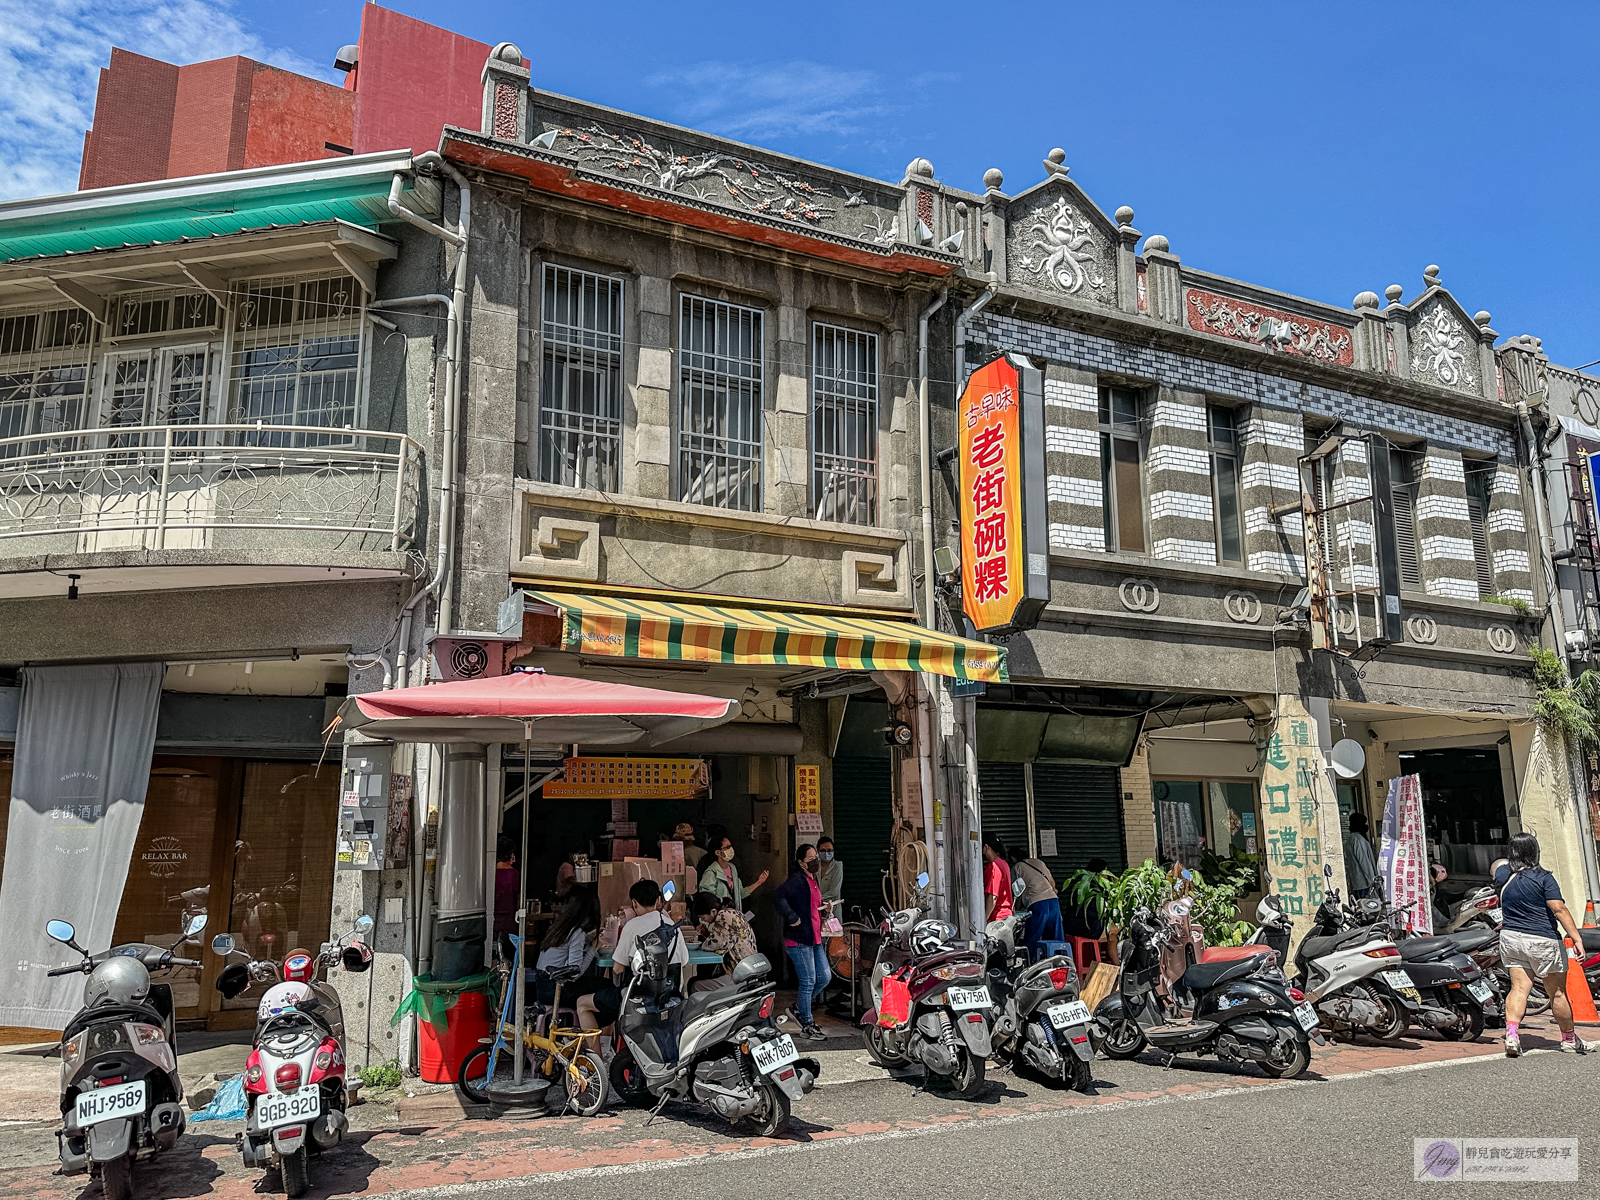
<point>51,52</point>
<point>772,99</point>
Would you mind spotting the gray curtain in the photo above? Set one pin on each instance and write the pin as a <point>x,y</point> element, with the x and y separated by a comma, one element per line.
<point>84,743</point>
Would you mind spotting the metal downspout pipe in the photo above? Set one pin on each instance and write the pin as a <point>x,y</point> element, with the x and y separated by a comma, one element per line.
<point>927,693</point>
<point>1540,481</point>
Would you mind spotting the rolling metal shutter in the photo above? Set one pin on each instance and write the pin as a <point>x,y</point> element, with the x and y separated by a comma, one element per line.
<point>863,818</point>
<point>1083,806</point>
<point>1004,808</point>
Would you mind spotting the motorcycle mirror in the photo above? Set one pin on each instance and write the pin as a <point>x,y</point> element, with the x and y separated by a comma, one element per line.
<point>61,931</point>
<point>363,924</point>
<point>1327,870</point>
<point>922,879</point>
<point>668,891</point>
<point>196,924</point>
<point>222,944</point>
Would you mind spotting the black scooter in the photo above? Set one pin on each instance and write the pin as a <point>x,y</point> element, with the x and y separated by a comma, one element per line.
<point>1242,1009</point>
<point>1040,1024</point>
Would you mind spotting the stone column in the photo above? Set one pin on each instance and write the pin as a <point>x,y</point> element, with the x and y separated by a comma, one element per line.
<point>1075,496</point>
<point>1273,441</point>
<point>1398,334</point>
<point>1127,261</point>
<point>1372,346</point>
<point>647,430</point>
<point>992,223</point>
<point>1547,807</point>
<point>1163,281</point>
<point>505,94</point>
<point>1138,808</point>
<point>1444,533</point>
<point>1486,372</point>
<point>1506,527</point>
<point>785,453</point>
<point>1178,470</point>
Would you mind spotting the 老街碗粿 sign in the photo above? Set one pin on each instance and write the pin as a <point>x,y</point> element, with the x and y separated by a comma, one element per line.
<point>1005,554</point>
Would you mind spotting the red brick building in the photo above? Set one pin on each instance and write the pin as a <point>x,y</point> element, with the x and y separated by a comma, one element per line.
<point>157,120</point>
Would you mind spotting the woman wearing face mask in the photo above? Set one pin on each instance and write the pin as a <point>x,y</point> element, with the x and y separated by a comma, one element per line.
<point>799,904</point>
<point>831,877</point>
<point>721,878</point>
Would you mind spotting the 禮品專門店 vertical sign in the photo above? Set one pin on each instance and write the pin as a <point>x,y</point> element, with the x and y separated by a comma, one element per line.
<point>1005,555</point>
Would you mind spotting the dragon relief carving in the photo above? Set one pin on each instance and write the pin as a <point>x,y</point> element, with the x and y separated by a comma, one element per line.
<point>1267,327</point>
<point>1436,349</point>
<point>720,177</point>
<point>1070,259</point>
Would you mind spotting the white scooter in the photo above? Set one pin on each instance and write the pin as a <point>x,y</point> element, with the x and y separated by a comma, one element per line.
<point>1355,978</point>
<point>295,1088</point>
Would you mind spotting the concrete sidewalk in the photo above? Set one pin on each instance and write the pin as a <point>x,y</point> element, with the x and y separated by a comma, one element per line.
<point>397,1149</point>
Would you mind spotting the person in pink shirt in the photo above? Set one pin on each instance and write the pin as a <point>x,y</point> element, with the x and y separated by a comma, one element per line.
<point>799,904</point>
<point>996,880</point>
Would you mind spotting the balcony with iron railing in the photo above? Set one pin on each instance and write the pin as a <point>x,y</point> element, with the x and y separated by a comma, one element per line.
<point>191,494</point>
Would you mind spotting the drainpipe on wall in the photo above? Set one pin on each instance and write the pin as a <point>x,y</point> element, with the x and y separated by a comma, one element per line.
<point>927,692</point>
<point>1539,481</point>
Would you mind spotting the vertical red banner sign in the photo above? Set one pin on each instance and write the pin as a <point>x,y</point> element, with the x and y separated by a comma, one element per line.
<point>993,582</point>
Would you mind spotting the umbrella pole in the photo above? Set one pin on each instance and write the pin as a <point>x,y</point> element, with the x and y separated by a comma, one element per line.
<point>522,911</point>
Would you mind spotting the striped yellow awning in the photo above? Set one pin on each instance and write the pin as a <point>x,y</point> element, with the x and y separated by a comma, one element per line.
<point>638,627</point>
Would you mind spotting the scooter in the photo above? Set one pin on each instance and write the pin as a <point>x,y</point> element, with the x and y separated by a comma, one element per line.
<point>1243,1009</point>
<point>1480,906</point>
<point>1355,977</point>
<point>718,1047</point>
<point>1040,1023</point>
<point>121,1098</point>
<point>949,1015</point>
<point>295,1089</point>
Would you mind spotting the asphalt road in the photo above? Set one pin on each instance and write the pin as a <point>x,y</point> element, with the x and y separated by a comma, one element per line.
<point>1328,1139</point>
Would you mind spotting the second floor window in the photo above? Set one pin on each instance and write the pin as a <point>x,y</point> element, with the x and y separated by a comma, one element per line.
<point>719,405</point>
<point>1121,472</point>
<point>44,376</point>
<point>1223,436</point>
<point>580,394</point>
<point>844,425</point>
<point>1403,489</point>
<point>1480,481</point>
<point>297,354</point>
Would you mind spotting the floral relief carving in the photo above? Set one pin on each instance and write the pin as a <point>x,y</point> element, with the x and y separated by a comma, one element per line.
<point>1286,332</point>
<point>1442,347</point>
<point>726,178</point>
<point>1067,254</point>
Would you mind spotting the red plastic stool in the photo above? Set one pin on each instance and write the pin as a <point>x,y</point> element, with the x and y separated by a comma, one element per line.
<point>1084,949</point>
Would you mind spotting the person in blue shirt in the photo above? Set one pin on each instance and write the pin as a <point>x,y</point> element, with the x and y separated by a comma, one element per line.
<point>1531,907</point>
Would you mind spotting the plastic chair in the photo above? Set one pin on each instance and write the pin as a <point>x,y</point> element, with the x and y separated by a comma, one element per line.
<point>1083,950</point>
<point>1052,949</point>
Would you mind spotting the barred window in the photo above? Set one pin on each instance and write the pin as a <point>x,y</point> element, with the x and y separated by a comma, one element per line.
<point>170,386</point>
<point>719,406</point>
<point>297,357</point>
<point>1223,438</point>
<point>844,425</point>
<point>1480,484</point>
<point>580,396</point>
<point>44,374</point>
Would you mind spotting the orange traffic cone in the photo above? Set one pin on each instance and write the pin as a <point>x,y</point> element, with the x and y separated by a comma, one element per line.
<point>1578,994</point>
<point>1588,915</point>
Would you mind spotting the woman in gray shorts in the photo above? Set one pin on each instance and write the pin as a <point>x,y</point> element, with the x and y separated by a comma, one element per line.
<point>1530,942</point>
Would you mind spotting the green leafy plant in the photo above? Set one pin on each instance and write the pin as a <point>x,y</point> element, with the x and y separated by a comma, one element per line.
<point>1570,709</point>
<point>1115,898</point>
<point>380,1077</point>
<point>1517,603</point>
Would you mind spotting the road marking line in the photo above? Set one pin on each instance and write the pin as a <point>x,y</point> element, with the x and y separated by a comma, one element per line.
<point>693,1158</point>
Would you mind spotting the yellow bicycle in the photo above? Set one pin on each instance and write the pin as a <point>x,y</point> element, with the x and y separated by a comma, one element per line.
<point>569,1055</point>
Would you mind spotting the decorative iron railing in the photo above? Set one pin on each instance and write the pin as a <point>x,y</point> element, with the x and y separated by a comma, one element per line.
<point>207,487</point>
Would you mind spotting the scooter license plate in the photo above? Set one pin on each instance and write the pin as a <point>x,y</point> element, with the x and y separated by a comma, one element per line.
<point>109,1103</point>
<point>273,1112</point>
<point>1398,980</point>
<point>1307,1016</point>
<point>772,1055</point>
<point>961,998</point>
<point>1494,915</point>
<point>1480,991</point>
<point>1065,1016</point>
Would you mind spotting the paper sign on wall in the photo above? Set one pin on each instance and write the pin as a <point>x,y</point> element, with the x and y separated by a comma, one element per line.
<point>1047,843</point>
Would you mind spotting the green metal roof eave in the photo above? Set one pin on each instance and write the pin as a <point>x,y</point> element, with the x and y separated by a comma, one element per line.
<point>355,202</point>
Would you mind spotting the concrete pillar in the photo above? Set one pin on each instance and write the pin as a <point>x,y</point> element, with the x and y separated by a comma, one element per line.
<point>1506,527</point>
<point>1349,531</point>
<point>647,430</point>
<point>1444,532</point>
<point>786,442</point>
<point>1273,441</point>
<point>992,222</point>
<point>1372,346</point>
<point>1398,333</point>
<point>1075,496</point>
<point>1178,474</point>
<point>1548,807</point>
<point>1138,807</point>
<point>1127,261</point>
<point>1163,281</point>
<point>505,94</point>
<point>1300,814</point>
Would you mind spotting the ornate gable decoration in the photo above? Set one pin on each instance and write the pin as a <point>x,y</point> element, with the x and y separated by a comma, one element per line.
<point>728,178</point>
<point>1058,241</point>
<point>1444,345</point>
<point>1290,333</point>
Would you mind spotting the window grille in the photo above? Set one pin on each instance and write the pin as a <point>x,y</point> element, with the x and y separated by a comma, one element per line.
<point>297,357</point>
<point>1478,484</point>
<point>844,425</point>
<point>1121,474</point>
<point>720,398</point>
<point>158,386</point>
<point>1403,489</point>
<point>44,375</point>
<point>580,396</point>
<point>1223,436</point>
<point>147,314</point>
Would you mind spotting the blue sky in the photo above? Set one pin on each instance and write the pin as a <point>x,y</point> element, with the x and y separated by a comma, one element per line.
<point>1323,149</point>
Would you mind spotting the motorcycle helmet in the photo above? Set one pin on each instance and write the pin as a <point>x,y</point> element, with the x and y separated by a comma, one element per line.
<point>356,957</point>
<point>299,967</point>
<point>1369,910</point>
<point>1270,914</point>
<point>118,980</point>
<point>929,937</point>
<point>280,997</point>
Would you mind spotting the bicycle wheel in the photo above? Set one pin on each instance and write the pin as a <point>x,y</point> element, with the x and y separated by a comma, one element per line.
<point>473,1077</point>
<point>586,1084</point>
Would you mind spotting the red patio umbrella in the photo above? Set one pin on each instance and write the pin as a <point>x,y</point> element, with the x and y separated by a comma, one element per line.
<point>530,706</point>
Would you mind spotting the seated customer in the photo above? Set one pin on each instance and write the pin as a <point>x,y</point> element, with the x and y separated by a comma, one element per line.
<point>600,1010</point>
<point>568,948</point>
